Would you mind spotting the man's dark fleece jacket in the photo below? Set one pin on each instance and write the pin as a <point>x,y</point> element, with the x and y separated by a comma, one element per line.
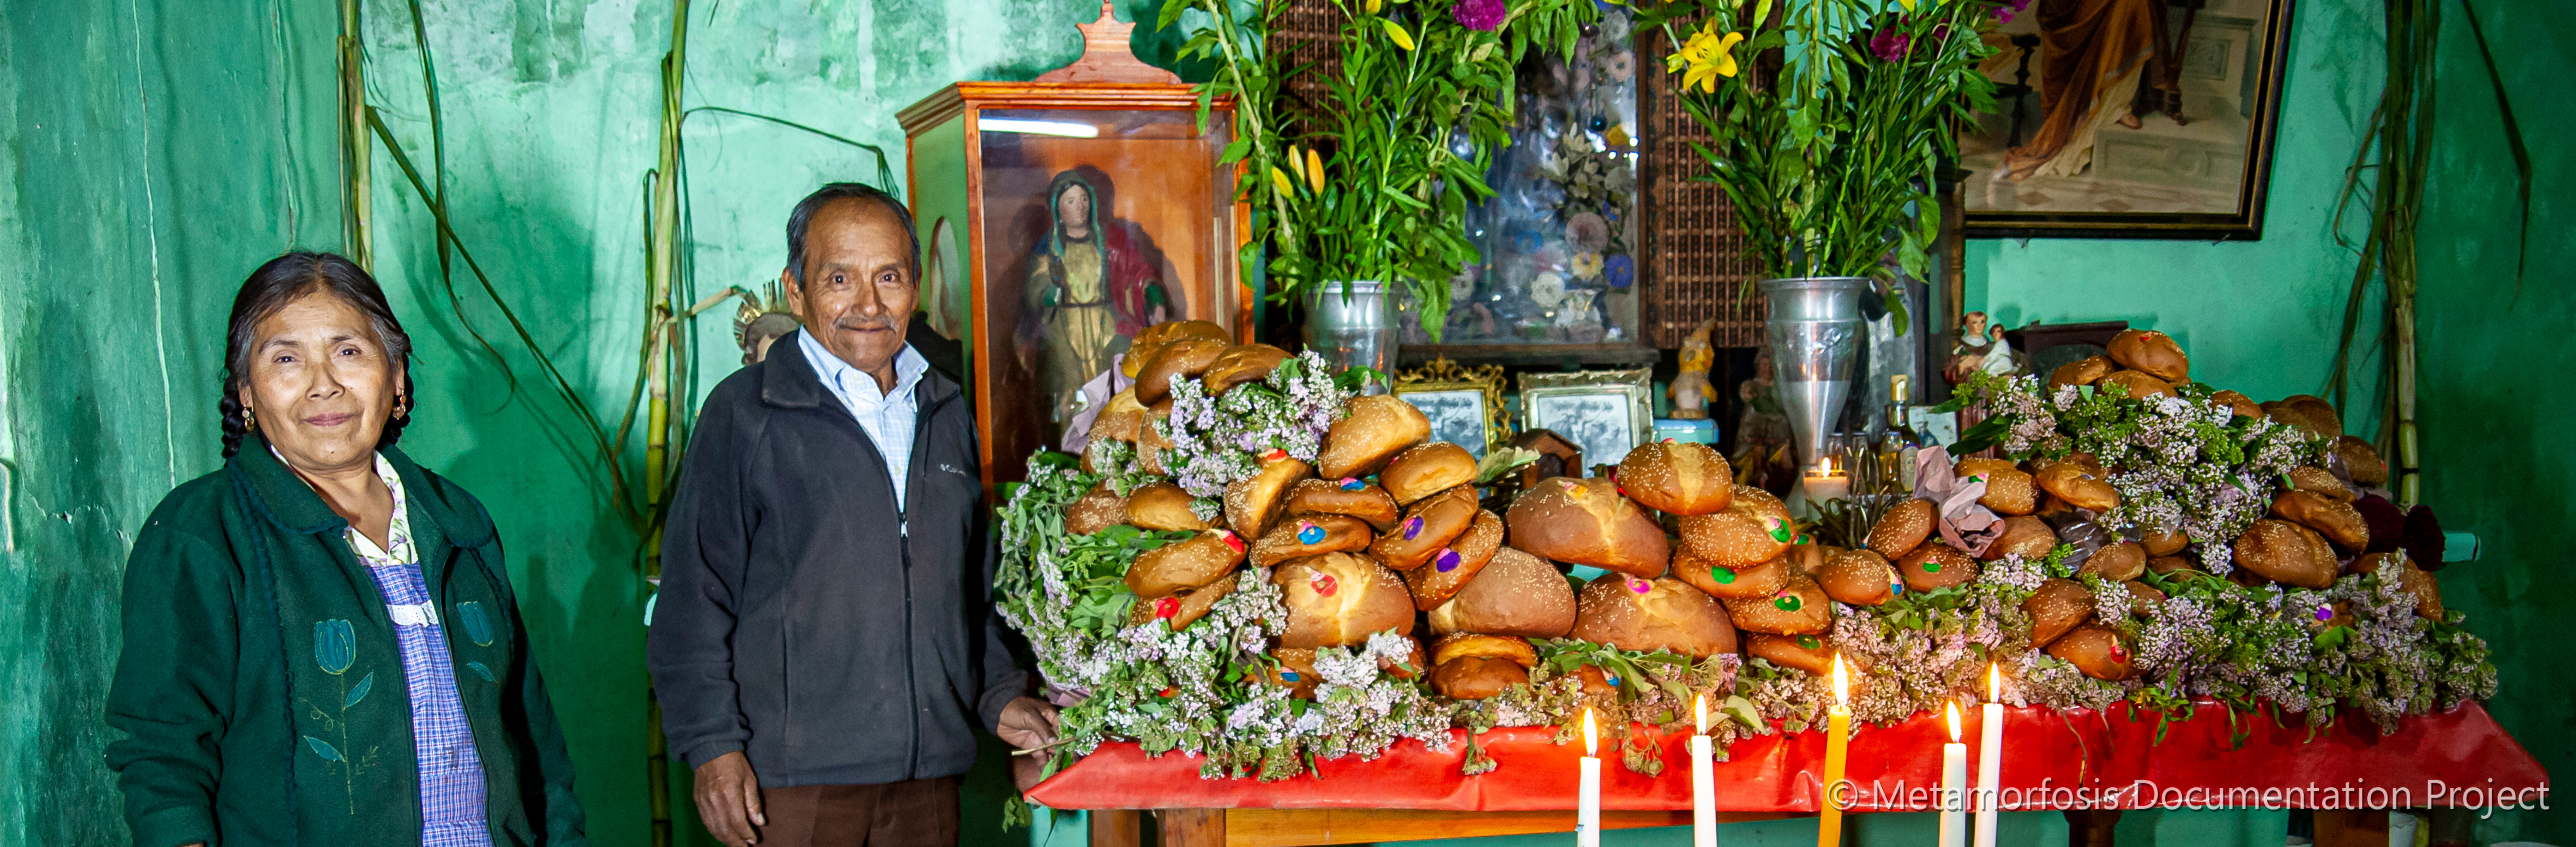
<point>805,621</point>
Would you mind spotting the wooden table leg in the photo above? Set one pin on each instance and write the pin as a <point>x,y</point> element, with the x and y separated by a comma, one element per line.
<point>2092,827</point>
<point>1117,828</point>
<point>1192,827</point>
<point>2352,827</point>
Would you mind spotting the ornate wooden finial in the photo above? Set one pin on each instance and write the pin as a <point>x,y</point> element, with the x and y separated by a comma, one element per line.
<point>1106,57</point>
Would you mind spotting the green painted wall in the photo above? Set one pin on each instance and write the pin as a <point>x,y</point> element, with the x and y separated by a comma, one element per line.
<point>155,155</point>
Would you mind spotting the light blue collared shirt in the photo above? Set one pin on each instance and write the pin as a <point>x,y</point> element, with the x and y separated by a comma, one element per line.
<point>889,418</point>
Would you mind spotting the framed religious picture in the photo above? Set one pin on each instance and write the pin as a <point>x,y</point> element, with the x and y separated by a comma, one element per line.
<point>1465,404</point>
<point>1081,208</point>
<point>1605,413</point>
<point>2127,119</point>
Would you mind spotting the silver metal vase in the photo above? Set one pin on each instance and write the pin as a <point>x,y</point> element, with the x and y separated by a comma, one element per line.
<point>1353,324</point>
<point>1814,333</point>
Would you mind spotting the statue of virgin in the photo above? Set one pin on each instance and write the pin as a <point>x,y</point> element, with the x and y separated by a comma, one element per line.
<point>1089,290</point>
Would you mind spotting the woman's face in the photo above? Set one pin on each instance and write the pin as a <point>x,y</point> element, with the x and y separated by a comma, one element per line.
<point>1073,207</point>
<point>320,383</point>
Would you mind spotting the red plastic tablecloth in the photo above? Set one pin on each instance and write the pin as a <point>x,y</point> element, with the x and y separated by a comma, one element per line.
<point>2045,750</point>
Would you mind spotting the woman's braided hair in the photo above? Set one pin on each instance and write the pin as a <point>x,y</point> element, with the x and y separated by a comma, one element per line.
<point>282,281</point>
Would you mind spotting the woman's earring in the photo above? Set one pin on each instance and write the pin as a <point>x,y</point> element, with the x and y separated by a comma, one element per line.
<point>402,407</point>
<point>250,420</point>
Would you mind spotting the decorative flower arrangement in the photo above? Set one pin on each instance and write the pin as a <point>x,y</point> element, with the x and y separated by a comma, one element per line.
<point>2366,643</point>
<point>1367,184</point>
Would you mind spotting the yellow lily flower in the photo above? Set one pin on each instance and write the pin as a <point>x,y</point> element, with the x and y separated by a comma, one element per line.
<point>1374,5</point>
<point>1708,55</point>
<point>1279,179</point>
<point>1908,4</point>
<point>1315,170</point>
<point>1397,34</point>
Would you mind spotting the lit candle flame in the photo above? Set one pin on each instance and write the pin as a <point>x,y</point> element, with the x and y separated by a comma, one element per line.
<point>1699,713</point>
<point>1590,746</point>
<point>1953,708</point>
<point>1842,686</point>
<point>1994,684</point>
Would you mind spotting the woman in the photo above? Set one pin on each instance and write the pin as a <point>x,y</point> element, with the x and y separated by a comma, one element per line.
<point>321,644</point>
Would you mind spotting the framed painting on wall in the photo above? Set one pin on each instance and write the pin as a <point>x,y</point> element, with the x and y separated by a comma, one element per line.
<point>1084,212</point>
<point>1604,413</point>
<point>2127,119</point>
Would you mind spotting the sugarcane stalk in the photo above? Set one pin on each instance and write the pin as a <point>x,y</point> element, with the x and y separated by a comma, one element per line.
<point>661,267</point>
<point>355,206</point>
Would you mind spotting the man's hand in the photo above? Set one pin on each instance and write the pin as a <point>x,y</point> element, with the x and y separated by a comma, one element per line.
<point>1028,723</point>
<point>729,798</point>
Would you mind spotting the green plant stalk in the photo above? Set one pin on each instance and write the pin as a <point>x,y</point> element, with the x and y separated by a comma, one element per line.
<point>356,206</point>
<point>663,360</point>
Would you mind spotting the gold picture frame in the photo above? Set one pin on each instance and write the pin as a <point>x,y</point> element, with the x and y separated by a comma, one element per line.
<point>1606,413</point>
<point>1460,401</point>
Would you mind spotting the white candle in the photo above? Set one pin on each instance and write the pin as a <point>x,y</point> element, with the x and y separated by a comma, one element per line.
<point>1954,786</point>
<point>1824,487</point>
<point>1703,779</point>
<point>1990,759</point>
<point>1587,811</point>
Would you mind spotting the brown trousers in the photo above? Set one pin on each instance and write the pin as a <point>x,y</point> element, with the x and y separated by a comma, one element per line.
<point>912,813</point>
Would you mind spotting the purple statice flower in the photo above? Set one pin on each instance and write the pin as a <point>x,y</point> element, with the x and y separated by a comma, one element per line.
<point>1480,15</point>
<point>1890,45</point>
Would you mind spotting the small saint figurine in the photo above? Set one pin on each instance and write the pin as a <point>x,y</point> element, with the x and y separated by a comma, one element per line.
<point>1981,349</point>
<point>1690,390</point>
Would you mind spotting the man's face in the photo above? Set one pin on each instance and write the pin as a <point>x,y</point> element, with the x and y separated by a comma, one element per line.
<point>858,293</point>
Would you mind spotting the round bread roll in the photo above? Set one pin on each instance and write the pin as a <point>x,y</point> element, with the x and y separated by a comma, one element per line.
<point>2085,371</point>
<point>2323,483</point>
<point>1860,578</point>
<point>2096,650</point>
<point>1477,677</point>
<point>1340,599</point>
<point>1098,509</point>
<point>2009,491</point>
<point>1903,528</point>
<point>1754,529</point>
<point>1375,428</point>
<point>1163,506</point>
<point>1251,502</point>
<point>1802,652</point>
<point>1310,535</point>
<point>2428,593</point>
<point>1427,469</point>
<point>2056,606</point>
<point>2308,412</point>
<point>1415,664</point>
<point>2153,352</point>
<point>1808,557</point>
<point>2170,564</point>
<point>1462,645</point>
<point>2081,487</point>
<point>1452,567</point>
<point>1243,363</point>
<point>1295,672</point>
<point>1120,417</point>
<point>1935,566</point>
<point>1170,331</point>
<point>2286,552</point>
<point>1150,442</point>
<point>1516,594</point>
<point>1188,357</point>
<point>1184,608</point>
<point>1430,526</point>
<point>1762,579</point>
<point>1346,496</point>
<point>1187,564</point>
<point>2163,542</point>
<point>2116,562</point>
<point>2361,461</point>
<point>1798,608</point>
<point>1648,615</point>
<point>2138,385</point>
<point>2143,599</point>
<point>1677,478</point>
<point>2337,520</point>
<point>2237,402</point>
<point>1587,522</point>
<point>2024,536</point>
<point>1594,683</point>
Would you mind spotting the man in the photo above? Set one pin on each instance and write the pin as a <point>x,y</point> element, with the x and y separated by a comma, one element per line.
<point>825,633</point>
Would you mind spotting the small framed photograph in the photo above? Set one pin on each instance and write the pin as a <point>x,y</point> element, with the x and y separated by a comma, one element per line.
<point>1606,413</point>
<point>1465,405</point>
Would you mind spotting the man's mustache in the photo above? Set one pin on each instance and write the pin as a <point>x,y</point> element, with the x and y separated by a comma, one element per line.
<point>863,324</point>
